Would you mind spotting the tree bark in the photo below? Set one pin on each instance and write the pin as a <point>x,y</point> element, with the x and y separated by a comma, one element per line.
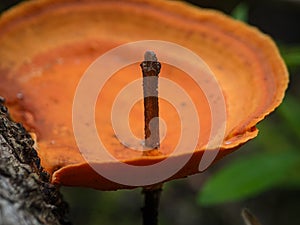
<point>26,195</point>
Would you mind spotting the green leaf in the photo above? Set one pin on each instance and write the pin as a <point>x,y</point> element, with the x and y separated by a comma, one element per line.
<point>293,180</point>
<point>248,176</point>
<point>290,111</point>
<point>291,55</point>
<point>274,136</point>
<point>240,12</point>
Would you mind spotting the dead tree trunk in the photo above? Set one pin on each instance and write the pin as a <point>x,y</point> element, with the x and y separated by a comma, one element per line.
<point>26,196</point>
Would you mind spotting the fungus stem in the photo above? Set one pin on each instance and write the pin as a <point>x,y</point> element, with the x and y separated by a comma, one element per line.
<point>151,68</point>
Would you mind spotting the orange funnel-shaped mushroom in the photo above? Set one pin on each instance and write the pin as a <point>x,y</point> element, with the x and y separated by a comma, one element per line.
<point>47,46</point>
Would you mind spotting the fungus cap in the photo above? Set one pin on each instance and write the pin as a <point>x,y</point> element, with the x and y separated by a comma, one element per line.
<point>47,45</point>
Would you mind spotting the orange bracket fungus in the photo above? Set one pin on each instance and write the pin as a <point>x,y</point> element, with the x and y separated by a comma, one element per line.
<point>47,46</point>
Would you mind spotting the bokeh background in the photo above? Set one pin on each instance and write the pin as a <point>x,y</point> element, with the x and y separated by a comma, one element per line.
<point>263,175</point>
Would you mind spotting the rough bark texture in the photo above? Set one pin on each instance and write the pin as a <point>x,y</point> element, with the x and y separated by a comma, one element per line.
<point>26,196</point>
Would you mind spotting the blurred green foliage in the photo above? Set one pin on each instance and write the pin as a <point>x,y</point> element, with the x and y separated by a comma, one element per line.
<point>240,12</point>
<point>248,176</point>
<point>291,56</point>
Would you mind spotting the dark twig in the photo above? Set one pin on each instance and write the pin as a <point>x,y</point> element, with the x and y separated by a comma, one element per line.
<point>249,218</point>
<point>150,209</point>
<point>151,68</point>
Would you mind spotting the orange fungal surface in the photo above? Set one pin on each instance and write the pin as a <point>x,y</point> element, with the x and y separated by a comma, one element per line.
<point>47,45</point>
